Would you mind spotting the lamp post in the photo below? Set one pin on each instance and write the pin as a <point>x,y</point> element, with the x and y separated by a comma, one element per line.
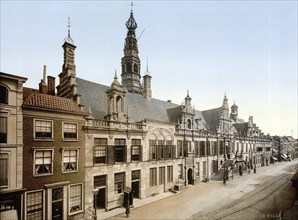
<point>224,174</point>
<point>95,192</point>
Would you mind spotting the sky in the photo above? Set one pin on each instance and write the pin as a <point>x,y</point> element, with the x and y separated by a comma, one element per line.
<point>244,49</point>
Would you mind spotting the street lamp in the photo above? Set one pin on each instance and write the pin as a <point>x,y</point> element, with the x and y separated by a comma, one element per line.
<point>95,192</point>
<point>224,174</point>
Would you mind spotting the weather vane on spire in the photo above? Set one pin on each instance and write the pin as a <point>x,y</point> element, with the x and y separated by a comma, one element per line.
<point>131,5</point>
<point>68,39</point>
<point>68,26</point>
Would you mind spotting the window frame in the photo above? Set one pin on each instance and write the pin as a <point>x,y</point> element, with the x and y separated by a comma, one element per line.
<point>6,157</point>
<point>43,202</point>
<point>170,173</point>
<point>34,162</point>
<point>97,150</point>
<point>63,131</point>
<point>122,182</point>
<point>153,177</point>
<point>77,160</point>
<point>69,199</point>
<point>4,135</point>
<point>43,138</point>
<point>6,94</point>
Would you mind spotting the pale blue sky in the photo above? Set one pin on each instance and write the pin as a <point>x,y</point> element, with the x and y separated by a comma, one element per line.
<point>247,49</point>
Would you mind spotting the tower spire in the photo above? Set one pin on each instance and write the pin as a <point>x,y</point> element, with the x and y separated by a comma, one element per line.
<point>68,39</point>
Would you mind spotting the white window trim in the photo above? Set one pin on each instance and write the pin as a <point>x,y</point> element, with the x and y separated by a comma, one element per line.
<point>82,199</point>
<point>9,166</point>
<point>62,162</point>
<point>43,149</point>
<point>34,131</point>
<point>62,130</point>
<point>43,203</point>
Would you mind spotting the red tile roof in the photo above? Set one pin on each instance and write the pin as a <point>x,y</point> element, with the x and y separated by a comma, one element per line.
<point>51,102</point>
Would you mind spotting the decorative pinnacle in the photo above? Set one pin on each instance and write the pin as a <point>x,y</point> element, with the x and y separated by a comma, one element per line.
<point>131,24</point>
<point>131,5</point>
<point>115,75</point>
<point>68,26</point>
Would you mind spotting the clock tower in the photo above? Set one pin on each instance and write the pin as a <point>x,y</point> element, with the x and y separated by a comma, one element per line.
<point>130,62</point>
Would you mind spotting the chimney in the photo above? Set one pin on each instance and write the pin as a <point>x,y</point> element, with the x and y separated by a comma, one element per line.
<point>51,85</point>
<point>42,85</point>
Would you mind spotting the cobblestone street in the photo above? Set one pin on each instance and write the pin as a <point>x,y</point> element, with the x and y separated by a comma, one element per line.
<point>252,196</point>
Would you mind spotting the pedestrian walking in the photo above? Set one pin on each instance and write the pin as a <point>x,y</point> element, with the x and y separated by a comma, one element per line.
<point>127,209</point>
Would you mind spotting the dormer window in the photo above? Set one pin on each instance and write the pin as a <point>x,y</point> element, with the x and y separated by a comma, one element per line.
<point>188,123</point>
<point>4,95</point>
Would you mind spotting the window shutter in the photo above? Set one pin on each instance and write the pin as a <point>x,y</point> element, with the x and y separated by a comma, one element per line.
<point>150,153</point>
<point>125,154</point>
<point>166,152</point>
<point>174,151</point>
<point>111,152</point>
<point>158,149</point>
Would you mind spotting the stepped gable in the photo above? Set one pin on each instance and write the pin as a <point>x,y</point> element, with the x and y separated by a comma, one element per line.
<point>40,100</point>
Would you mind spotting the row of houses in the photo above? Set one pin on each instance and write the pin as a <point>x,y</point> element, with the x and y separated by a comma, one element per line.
<point>61,145</point>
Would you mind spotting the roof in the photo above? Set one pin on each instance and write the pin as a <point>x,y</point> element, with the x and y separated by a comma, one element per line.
<point>137,106</point>
<point>211,117</point>
<point>241,128</point>
<point>40,100</point>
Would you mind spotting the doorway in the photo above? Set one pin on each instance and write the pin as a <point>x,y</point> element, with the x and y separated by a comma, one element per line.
<point>135,183</point>
<point>57,203</point>
<point>100,184</point>
<point>190,176</point>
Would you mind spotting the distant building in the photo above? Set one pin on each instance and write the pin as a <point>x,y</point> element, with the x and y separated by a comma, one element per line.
<point>11,146</point>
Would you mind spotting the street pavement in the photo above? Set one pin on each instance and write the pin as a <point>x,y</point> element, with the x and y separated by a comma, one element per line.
<point>258,195</point>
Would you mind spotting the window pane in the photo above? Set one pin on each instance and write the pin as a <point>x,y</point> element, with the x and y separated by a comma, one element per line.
<point>3,129</point>
<point>43,129</point>
<point>75,200</point>
<point>34,205</point>
<point>43,161</point>
<point>119,182</point>
<point>3,170</point>
<point>70,130</point>
<point>70,160</point>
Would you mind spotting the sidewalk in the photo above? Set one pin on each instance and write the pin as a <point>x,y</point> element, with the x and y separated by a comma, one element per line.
<point>204,196</point>
<point>103,214</point>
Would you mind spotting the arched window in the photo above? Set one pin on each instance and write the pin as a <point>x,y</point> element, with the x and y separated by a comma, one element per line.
<point>188,123</point>
<point>135,68</point>
<point>4,95</point>
<point>119,104</point>
<point>128,67</point>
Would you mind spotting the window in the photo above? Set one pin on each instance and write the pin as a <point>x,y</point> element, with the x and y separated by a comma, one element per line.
<point>198,169</point>
<point>161,175</point>
<point>43,162</point>
<point>204,168</point>
<point>153,176</point>
<point>179,148</point>
<point>43,129</point>
<point>100,150</point>
<point>135,68</point>
<point>202,148</point>
<point>208,148</point>
<point>4,95</point>
<point>188,123</point>
<point>180,171</point>
<point>135,175</point>
<point>70,130</point>
<point>170,174</point>
<point>99,181</point>
<point>197,148</point>
<point>152,148</point>
<point>70,160</point>
<point>119,182</point>
<point>3,129</point>
<point>135,149</point>
<point>160,153</point>
<point>120,150</point>
<point>34,207</point>
<point>3,170</point>
<point>75,198</point>
<point>169,149</point>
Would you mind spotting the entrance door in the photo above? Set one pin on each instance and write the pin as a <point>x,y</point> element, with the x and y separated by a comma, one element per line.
<point>101,198</point>
<point>135,183</point>
<point>136,189</point>
<point>189,176</point>
<point>57,203</point>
